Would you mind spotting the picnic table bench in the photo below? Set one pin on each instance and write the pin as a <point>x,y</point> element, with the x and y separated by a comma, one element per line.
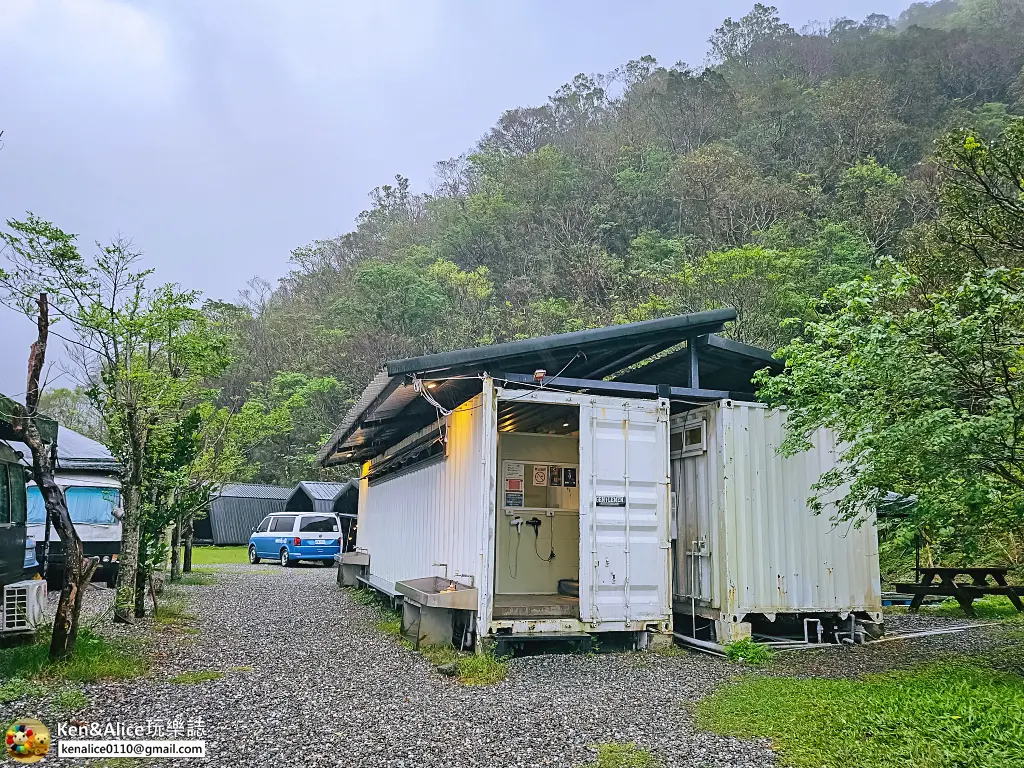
<point>965,594</point>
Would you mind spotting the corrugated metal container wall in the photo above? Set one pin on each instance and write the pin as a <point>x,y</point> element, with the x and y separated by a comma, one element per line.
<point>233,518</point>
<point>766,552</point>
<point>428,514</point>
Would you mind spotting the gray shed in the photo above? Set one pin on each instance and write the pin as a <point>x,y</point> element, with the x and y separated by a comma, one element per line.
<point>341,499</point>
<point>310,496</point>
<point>240,507</point>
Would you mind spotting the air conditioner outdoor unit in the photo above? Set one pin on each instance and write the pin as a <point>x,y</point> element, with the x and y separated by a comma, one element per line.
<point>23,606</point>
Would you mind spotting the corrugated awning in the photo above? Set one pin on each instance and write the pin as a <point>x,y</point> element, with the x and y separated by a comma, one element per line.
<point>629,358</point>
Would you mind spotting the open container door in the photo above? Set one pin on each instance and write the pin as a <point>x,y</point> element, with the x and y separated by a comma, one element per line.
<point>625,558</point>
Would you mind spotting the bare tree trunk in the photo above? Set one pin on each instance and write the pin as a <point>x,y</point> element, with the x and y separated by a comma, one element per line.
<point>129,561</point>
<point>186,566</point>
<point>141,577</point>
<point>176,551</point>
<point>77,570</point>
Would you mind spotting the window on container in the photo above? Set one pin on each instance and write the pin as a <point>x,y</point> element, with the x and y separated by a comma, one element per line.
<point>282,524</point>
<point>691,441</point>
<point>319,524</point>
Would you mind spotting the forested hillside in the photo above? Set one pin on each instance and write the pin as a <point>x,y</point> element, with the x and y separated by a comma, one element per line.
<point>790,162</point>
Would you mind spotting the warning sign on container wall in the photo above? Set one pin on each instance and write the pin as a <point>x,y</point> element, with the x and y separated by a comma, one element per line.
<point>514,469</point>
<point>513,499</point>
<point>540,474</point>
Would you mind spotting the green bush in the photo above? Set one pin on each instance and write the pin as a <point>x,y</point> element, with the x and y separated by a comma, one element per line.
<point>749,652</point>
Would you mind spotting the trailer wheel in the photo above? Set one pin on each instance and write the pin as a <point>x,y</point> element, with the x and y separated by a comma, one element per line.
<point>254,559</point>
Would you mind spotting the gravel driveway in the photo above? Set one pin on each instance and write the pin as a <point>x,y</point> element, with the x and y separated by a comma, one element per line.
<point>326,688</point>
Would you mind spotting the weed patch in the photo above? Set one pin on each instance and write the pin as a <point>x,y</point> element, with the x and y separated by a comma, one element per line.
<point>174,612</point>
<point>945,715</point>
<point>196,579</point>
<point>70,700</point>
<point>96,658</point>
<point>623,756</point>
<point>197,676</point>
<point>472,668</point>
<point>18,688</point>
<point>749,652</point>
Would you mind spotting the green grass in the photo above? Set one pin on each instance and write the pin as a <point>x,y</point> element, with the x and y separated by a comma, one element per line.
<point>173,611</point>
<point>70,700</point>
<point>749,652</point>
<point>18,688</point>
<point>990,607</point>
<point>945,715</point>
<point>390,623</point>
<point>197,676</point>
<point>196,579</point>
<point>623,756</point>
<point>474,668</point>
<point>364,596</point>
<point>96,658</point>
<point>219,555</point>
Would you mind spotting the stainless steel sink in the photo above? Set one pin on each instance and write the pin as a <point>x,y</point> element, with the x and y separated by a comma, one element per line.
<point>428,593</point>
<point>355,558</point>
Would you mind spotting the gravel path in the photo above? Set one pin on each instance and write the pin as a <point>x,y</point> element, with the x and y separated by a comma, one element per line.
<point>310,681</point>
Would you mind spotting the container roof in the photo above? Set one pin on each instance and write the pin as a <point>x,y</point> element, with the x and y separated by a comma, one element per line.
<point>253,491</point>
<point>633,359</point>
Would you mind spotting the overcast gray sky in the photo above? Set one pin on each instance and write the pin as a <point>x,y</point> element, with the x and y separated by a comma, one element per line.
<point>221,134</point>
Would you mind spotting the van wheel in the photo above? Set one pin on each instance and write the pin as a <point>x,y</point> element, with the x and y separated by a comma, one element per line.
<point>253,557</point>
<point>286,561</point>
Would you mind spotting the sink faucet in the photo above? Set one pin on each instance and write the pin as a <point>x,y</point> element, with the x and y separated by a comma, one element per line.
<point>442,565</point>
<point>468,576</point>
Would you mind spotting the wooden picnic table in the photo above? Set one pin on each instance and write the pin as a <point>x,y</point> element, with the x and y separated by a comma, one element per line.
<point>965,594</point>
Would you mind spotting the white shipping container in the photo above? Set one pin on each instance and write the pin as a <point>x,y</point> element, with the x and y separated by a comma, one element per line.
<point>745,539</point>
<point>440,517</point>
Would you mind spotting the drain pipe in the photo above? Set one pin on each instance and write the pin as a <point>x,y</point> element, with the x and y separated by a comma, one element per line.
<point>693,582</point>
<point>701,645</point>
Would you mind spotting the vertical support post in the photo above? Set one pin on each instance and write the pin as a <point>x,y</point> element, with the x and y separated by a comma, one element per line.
<point>691,344</point>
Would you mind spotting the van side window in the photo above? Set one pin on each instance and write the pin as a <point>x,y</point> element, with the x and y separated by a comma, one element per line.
<point>283,524</point>
<point>262,527</point>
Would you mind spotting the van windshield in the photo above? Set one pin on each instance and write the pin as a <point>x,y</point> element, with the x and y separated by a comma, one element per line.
<point>91,506</point>
<point>319,524</point>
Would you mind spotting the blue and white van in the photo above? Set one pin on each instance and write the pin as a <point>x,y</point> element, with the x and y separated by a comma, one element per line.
<point>289,537</point>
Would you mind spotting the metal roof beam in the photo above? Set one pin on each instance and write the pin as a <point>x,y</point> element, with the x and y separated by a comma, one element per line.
<point>678,327</point>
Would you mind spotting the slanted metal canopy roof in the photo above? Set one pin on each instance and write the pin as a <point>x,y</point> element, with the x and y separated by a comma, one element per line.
<point>722,363</point>
<point>590,354</point>
<point>390,409</point>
